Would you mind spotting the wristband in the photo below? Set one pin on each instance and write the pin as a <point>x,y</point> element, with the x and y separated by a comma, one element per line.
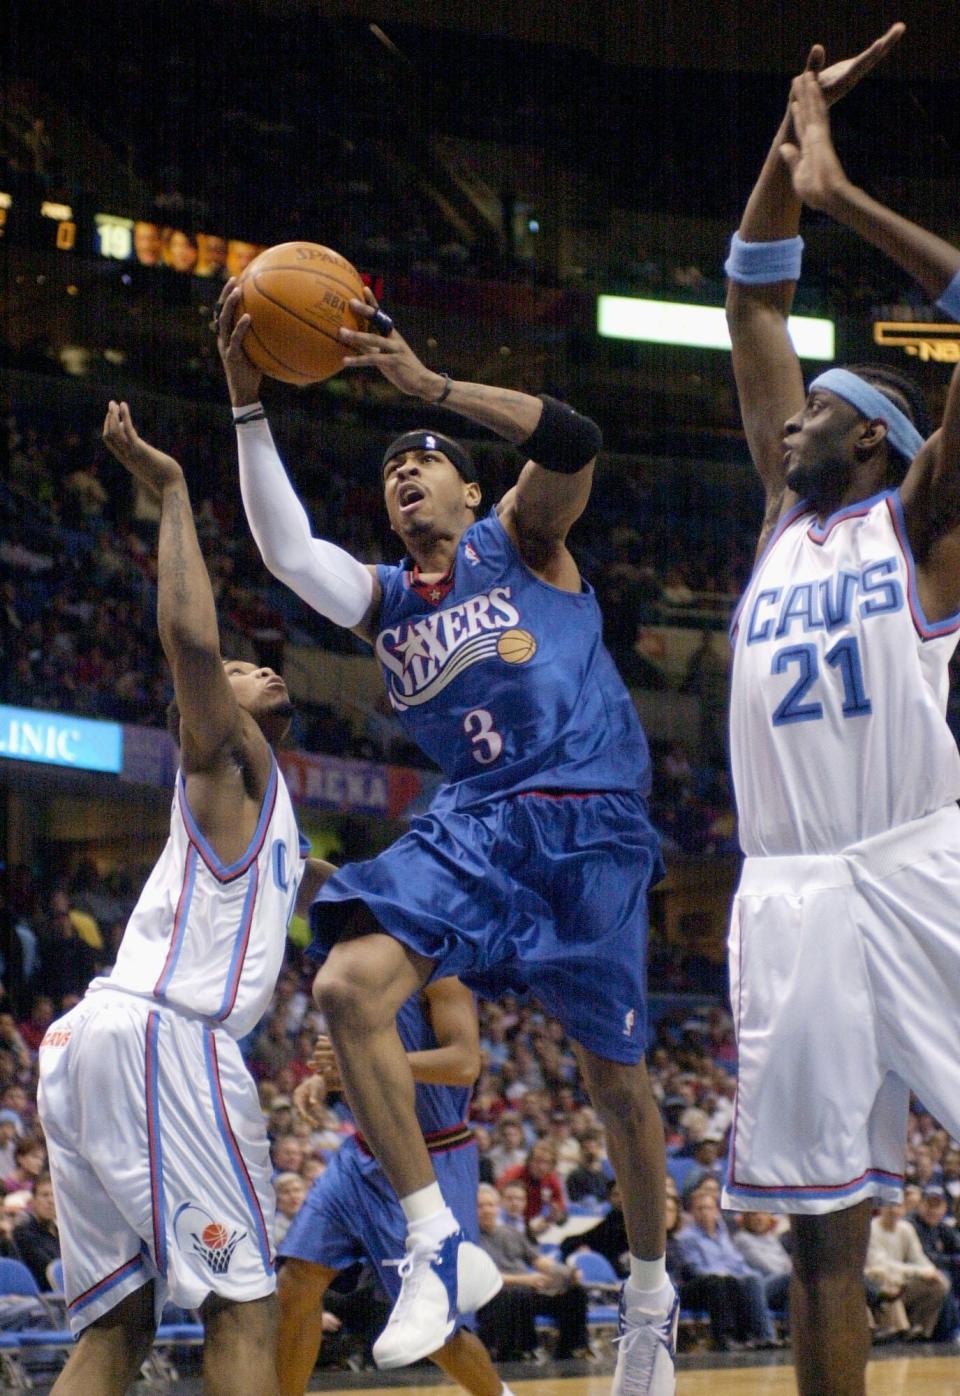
<point>949,302</point>
<point>250,412</point>
<point>444,392</point>
<point>764,263</point>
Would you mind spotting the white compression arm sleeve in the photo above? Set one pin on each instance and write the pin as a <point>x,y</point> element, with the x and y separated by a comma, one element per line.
<point>322,575</point>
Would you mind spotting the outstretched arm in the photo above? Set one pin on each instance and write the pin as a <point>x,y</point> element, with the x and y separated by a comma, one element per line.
<point>554,485</point>
<point>455,1061</point>
<point>767,371</point>
<point>326,577</point>
<point>186,614</point>
<point>820,181</point>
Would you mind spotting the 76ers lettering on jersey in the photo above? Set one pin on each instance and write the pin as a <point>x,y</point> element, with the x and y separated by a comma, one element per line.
<point>206,937</point>
<point>840,683</point>
<point>505,682</point>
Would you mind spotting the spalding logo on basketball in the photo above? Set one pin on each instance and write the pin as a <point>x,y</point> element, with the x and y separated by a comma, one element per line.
<point>516,646</point>
<point>298,295</point>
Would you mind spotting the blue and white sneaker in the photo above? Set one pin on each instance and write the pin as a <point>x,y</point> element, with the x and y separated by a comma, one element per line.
<point>646,1349</point>
<point>440,1281</point>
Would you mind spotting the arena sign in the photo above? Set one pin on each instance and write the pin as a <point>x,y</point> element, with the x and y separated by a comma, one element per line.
<point>700,326</point>
<point>937,342</point>
<point>58,739</point>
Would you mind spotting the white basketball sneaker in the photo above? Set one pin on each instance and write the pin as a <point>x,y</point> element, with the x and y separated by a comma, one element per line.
<point>440,1281</point>
<point>646,1350</point>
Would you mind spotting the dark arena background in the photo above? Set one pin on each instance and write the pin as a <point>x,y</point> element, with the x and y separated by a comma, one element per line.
<point>538,193</point>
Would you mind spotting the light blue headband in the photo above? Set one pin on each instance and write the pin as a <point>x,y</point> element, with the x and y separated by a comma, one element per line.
<point>872,404</point>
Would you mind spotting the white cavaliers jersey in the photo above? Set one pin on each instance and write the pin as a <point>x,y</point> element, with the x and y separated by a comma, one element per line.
<point>838,701</point>
<point>207,937</point>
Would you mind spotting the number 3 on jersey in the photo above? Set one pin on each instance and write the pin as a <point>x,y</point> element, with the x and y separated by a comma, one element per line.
<point>486,741</point>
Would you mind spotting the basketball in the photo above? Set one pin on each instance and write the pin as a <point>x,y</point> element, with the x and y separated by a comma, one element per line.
<point>516,646</point>
<point>297,295</point>
<point>214,1236</point>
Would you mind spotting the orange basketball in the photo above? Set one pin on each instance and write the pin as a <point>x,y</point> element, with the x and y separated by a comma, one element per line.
<point>297,295</point>
<point>214,1236</point>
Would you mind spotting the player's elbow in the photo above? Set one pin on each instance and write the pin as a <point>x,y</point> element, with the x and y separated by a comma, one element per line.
<point>466,1066</point>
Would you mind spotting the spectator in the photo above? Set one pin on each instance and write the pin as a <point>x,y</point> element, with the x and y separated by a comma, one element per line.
<point>704,1248</point>
<point>513,1208</point>
<point>761,1247</point>
<point>590,1182</point>
<point>608,1237</point>
<point>532,1285</point>
<point>546,1204</point>
<point>291,1191</point>
<point>11,1130</point>
<point>38,1238</point>
<point>941,1245</point>
<point>912,1288</point>
<point>29,1164</point>
<point>727,1304</point>
<point>510,1150</point>
<point>287,1154</point>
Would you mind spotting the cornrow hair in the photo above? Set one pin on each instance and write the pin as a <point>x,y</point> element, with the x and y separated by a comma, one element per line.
<point>905,394</point>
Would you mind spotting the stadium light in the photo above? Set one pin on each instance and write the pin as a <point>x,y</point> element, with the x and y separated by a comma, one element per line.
<point>699,326</point>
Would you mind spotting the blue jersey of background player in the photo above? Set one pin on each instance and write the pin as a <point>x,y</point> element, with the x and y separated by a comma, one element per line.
<point>352,1213</point>
<point>532,866</point>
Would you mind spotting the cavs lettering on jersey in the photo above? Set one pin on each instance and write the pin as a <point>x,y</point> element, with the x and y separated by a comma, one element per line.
<point>207,937</point>
<point>837,714</point>
<point>505,682</point>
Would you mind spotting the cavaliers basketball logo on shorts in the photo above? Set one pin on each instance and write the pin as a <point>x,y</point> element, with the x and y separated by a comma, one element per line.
<point>211,1240</point>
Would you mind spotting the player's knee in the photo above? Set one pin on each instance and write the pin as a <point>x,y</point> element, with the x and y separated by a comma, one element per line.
<point>827,1251</point>
<point>340,996</point>
<point>620,1093</point>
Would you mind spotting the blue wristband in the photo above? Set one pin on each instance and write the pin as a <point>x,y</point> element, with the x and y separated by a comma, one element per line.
<point>764,263</point>
<point>949,302</point>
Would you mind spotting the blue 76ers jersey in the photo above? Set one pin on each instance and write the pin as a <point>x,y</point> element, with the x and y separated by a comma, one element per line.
<point>506,684</point>
<point>206,937</point>
<point>840,683</point>
<point>438,1107</point>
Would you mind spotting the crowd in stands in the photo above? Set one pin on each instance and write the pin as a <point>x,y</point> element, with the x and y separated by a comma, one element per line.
<point>78,594</point>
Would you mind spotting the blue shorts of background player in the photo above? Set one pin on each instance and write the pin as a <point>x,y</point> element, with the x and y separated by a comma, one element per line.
<point>540,892</point>
<point>352,1213</point>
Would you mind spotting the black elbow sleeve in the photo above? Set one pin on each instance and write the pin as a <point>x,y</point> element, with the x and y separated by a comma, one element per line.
<point>563,440</point>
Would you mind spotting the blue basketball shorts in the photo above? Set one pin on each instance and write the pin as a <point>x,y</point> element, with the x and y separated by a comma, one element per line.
<point>540,893</point>
<point>352,1213</point>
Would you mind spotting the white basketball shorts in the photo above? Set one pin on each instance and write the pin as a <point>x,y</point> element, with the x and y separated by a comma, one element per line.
<point>159,1158</point>
<point>845,987</point>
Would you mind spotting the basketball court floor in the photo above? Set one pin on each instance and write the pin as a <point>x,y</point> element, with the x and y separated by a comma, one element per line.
<point>930,1371</point>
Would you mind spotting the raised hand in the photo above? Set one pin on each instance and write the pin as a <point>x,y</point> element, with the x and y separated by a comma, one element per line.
<point>389,353</point>
<point>243,378</point>
<point>324,1062</point>
<point>837,80</point>
<point>309,1099</point>
<point>814,168</point>
<point>144,461</point>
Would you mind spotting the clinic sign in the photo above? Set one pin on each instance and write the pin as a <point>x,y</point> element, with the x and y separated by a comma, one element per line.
<point>59,739</point>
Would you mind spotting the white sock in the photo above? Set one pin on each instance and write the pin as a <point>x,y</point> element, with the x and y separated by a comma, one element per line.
<point>647,1277</point>
<point>427,1213</point>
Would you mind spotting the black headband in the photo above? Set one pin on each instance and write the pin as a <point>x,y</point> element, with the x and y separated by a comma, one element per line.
<point>458,455</point>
